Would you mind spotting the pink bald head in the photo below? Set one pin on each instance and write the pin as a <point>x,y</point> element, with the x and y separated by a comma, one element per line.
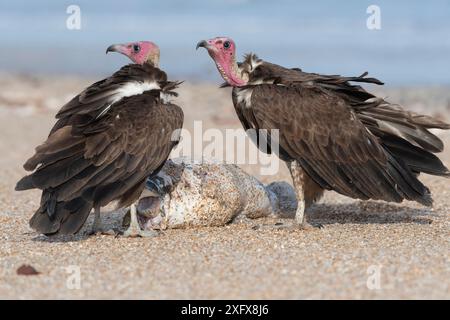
<point>223,51</point>
<point>139,52</point>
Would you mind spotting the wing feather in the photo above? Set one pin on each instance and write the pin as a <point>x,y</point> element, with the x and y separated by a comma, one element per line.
<point>89,160</point>
<point>338,152</point>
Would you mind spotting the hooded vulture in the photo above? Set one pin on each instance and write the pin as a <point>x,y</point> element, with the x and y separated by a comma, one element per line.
<point>333,134</point>
<point>106,142</point>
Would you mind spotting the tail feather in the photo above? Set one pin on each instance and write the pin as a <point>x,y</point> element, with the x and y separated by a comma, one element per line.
<point>73,222</point>
<point>405,136</point>
<point>61,217</point>
<point>25,183</point>
<point>420,137</point>
<point>407,183</point>
<point>42,223</point>
<point>417,159</point>
<point>391,120</point>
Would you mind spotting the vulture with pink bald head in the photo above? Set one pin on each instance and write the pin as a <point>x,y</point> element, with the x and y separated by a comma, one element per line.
<point>333,134</point>
<point>106,142</point>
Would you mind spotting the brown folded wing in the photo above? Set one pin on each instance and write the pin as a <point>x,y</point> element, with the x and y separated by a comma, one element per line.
<point>91,159</point>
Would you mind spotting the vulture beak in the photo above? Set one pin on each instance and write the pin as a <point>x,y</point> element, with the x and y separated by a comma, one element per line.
<point>115,48</point>
<point>202,44</point>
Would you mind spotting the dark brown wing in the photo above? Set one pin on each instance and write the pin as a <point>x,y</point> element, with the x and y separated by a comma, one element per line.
<point>332,145</point>
<point>90,163</point>
<point>381,117</point>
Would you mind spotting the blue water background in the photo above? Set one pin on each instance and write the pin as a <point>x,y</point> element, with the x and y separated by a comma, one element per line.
<point>412,47</point>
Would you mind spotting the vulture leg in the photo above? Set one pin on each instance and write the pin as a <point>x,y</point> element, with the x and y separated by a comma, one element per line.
<point>134,230</point>
<point>97,225</point>
<point>305,197</point>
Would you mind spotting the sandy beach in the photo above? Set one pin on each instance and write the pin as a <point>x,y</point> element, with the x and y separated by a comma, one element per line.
<point>405,245</point>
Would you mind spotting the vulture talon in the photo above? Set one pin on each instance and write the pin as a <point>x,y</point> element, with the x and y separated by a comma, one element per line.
<point>103,232</point>
<point>96,228</point>
<point>140,233</point>
<point>310,226</point>
<point>134,230</point>
<point>305,226</point>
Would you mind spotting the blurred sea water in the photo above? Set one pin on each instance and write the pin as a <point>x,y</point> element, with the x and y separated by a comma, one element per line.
<point>412,47</point>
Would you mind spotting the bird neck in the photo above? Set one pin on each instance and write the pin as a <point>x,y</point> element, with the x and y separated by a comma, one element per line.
<point>232,74</point>
<point>153,60</point>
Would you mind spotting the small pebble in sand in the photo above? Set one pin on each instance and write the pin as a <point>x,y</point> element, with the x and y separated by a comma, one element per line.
<point>27,270</point>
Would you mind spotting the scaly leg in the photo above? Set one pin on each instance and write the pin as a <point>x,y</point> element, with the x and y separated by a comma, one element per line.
<point>299,178</point>
<point>97,225</point>
<point>134,230</point>
<point>97,221</point>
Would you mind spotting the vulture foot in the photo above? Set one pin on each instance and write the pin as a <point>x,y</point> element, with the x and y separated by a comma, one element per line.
<point>140,233</point>
<point>134,230</point>
<point>310,226</point>
<point>97,229</point>
<point>105,232</point>
<point>299,226</point>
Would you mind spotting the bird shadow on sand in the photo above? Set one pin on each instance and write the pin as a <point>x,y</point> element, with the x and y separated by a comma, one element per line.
<point>368,212</point>
<point>362,212</point>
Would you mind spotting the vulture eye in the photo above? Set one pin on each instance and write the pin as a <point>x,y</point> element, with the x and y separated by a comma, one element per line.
<point>226,44</point>
<point>136,47</point>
